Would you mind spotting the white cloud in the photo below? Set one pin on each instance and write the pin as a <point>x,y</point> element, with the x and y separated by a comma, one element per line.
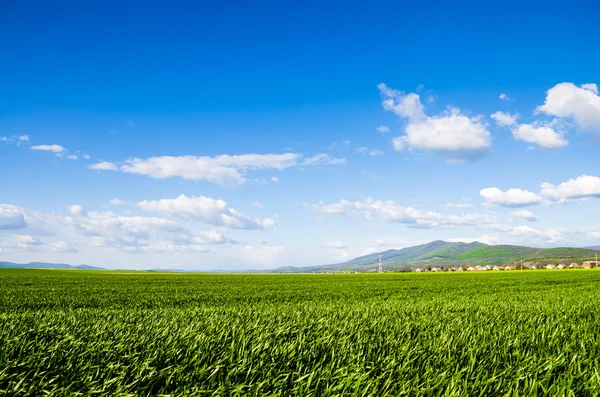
<point>524,214</point>
<point>336,208</point>
<point>370,152</point>
<point>49,148</point>
<point>505,119</point>
<point>323,158</point>
<point>504,97</point>
<point>73,157</point>
<point>582,104</point>
<point>580,187</point>
<point>335,245</point>
<point>18,139</point>
<point>206,209</point>
<point>389,211</point>
<point>258,204</point>
<point>404,105</point>
<point>384,129</point>
<point>223,170</point>
<point>455,137</point>
<point>104,166</point>
<point>118,202</point>
<point>542,136</point>
<point>61,246</point>
<point>510,198</point>
<point>86,156</point>
<point>525,235</point>
<point>76,210</point>
<point>21,242</point>
<point>274,179</point>
<point>11,217</point>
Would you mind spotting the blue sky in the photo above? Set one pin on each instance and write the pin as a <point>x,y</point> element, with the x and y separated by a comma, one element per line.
<point>228,136</point>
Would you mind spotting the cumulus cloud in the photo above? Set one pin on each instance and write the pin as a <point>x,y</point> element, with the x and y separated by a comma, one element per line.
<point>544,137</point>
<point>205,209</point>
<point>452,135</point>
<point>504,97</point>
<point>11,217</point>
<point>21,242</point>
<point>510,198</point>
<point>582,104</point>
<point>580,187</point>
<point>104,166</point>
<point>73,157</point>
<point>505,119</point>
<point>258,204</point>
<point>50,148</point>
<point>129,234</point>
<point>274,179</point>
<point>523,214</point>
<point>118,202</point>
<point>384,129</point>
<point>76,210</point>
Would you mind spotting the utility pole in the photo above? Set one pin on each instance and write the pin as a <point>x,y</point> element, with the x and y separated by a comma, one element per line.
<point>521,263</point>
<point>380,270</point>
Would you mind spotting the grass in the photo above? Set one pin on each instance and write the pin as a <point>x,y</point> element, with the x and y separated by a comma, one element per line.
<point>493,334</point>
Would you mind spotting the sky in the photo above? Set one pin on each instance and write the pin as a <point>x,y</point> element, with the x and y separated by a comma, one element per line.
<point>229,136</point>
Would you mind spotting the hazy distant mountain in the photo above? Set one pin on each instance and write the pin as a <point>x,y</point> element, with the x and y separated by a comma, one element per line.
<point>443,253</point>
<point>43,265</point>
<point>595,247</point>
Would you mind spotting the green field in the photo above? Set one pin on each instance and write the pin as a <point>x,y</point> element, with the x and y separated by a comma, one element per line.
<point>111,333</point>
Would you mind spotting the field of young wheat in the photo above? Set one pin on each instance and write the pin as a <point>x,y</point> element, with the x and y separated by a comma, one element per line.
<point>116,333</point>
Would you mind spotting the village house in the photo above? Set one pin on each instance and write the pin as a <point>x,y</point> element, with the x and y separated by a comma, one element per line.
<point>574,266</point>
<point>458,269</point>
<point>509,268</point>
<point>436,269</point>
<point>550,267</point>
<point>420,269</point>
<point>561,266</point>
<point>489,267</point>
<point>586,265</point>
<point>497,267</point>
<point>471,269</point>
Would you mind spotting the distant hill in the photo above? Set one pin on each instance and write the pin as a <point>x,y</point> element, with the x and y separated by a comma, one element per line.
<point>595,247</point>
<point>44,265</point>
<point>443,253</point>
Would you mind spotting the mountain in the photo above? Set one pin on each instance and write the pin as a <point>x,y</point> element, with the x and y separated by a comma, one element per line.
<point>43,265</point>
<point>595,247</point>
<point>443,253</point>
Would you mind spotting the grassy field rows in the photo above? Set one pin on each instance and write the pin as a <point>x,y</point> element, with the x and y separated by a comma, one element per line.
<point>113,333</point>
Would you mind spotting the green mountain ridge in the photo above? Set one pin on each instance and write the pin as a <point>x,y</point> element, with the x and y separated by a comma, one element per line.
<point>442,253</point>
